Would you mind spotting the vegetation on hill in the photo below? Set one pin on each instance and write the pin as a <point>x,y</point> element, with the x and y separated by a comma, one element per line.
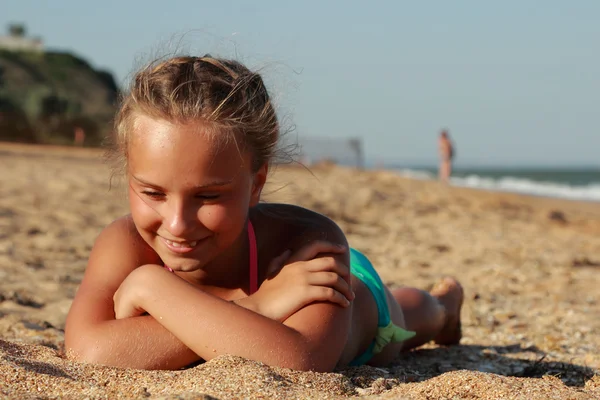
<point>46,96</point>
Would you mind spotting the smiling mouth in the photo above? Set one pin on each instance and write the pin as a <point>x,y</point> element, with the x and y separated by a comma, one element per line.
<point>188,245</point>
<point>181,247</point>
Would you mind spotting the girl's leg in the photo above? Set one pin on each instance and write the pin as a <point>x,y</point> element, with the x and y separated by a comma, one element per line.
<point>434,315</point>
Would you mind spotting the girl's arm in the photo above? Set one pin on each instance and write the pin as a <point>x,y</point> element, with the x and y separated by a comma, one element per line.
<point>311,339</point>
<point>295,280</point>
<point>93,335</point>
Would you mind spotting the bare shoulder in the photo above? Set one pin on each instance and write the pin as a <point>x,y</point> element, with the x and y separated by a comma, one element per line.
<point>117,251</point>
<point>123,233</point>
<point>300,223</point>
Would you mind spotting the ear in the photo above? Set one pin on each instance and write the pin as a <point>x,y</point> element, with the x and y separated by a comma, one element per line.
<point>260,177</point>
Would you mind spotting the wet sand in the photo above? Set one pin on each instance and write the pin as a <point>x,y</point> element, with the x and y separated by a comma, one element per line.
<point>530,267</point>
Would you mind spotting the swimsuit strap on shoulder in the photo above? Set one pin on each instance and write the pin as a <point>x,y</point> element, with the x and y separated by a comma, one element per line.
<point>253,258</point>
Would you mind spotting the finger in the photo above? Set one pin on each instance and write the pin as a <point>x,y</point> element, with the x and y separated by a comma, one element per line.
<point>334,281</point>
<point>311,250</point>
<point>118,314</point>
<point>321,293</point>
<point>328,263</point>
<point>277,262</point>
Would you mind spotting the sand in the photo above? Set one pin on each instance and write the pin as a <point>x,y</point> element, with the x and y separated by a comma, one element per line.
<point>529,265</point>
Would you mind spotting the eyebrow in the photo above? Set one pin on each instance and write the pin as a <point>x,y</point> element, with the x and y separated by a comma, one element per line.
<point>207,185</point>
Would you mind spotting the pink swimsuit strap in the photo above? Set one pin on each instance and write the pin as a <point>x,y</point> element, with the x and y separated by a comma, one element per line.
<point>253,259</point>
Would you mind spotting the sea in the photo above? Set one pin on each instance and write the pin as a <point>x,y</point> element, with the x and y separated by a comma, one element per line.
<point>569,183</point>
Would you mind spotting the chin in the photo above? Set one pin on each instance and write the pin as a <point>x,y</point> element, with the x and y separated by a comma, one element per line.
<point>180,264</point>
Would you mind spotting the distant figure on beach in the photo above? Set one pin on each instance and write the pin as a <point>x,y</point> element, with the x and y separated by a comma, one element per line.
<point>79,136</point>
<point>446,150</point>
<point>201,267</point>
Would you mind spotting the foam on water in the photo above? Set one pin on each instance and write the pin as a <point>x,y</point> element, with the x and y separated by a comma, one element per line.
<point>590,192</point>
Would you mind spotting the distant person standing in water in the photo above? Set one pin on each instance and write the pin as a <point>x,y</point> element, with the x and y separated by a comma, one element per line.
<point>446,149</point>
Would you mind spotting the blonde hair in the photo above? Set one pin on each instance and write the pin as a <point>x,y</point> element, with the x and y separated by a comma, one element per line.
<point>229,99</point>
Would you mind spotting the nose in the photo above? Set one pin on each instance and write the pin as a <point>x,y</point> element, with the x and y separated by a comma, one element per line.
<point>181,219</point>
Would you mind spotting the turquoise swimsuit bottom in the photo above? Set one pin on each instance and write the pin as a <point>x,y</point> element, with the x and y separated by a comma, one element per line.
<point>387,333</point>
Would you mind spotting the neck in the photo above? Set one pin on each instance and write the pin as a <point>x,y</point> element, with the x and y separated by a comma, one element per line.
<point>229,270</point>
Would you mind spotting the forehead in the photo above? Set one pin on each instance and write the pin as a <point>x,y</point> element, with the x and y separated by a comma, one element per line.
<point>168,150</point>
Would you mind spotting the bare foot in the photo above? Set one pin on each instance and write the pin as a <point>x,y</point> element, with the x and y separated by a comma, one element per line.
<point>450,294</point>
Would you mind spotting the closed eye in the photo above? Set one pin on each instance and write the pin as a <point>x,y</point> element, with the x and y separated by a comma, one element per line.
<point>153,194</point>
<point>208,196</point>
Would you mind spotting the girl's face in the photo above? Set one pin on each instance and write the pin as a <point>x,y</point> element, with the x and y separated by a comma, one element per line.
<point>189,195</point>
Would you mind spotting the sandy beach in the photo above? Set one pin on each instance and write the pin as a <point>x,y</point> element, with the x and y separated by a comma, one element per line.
<point>530,267</point>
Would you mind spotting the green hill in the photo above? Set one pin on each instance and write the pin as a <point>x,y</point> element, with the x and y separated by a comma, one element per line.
<point>45,96</point>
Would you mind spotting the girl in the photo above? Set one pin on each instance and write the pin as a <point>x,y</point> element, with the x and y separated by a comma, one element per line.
<point>201,268</point>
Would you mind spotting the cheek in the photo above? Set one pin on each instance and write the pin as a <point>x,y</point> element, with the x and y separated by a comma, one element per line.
<point>143,215</point>
<point>222,217</point>
<point>217,218</point>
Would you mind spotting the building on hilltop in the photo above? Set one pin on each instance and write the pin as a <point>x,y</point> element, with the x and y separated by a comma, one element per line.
<point>17,40</point>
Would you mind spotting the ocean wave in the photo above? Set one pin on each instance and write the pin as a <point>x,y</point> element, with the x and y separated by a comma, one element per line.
<point>589,192</point>
<point>528,186</point>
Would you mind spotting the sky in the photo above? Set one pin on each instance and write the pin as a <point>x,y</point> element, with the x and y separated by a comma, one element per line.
<point>516,83</point>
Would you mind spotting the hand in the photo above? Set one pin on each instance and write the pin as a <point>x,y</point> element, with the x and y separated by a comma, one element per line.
<point>296,280</point>
<point>127,297</point>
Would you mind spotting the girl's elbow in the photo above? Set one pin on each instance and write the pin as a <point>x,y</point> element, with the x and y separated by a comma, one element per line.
<point>83,353</point>
<point>309,361</point>
<point>86,350</point>
<point>313,365</point>
<point>308,354</point>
